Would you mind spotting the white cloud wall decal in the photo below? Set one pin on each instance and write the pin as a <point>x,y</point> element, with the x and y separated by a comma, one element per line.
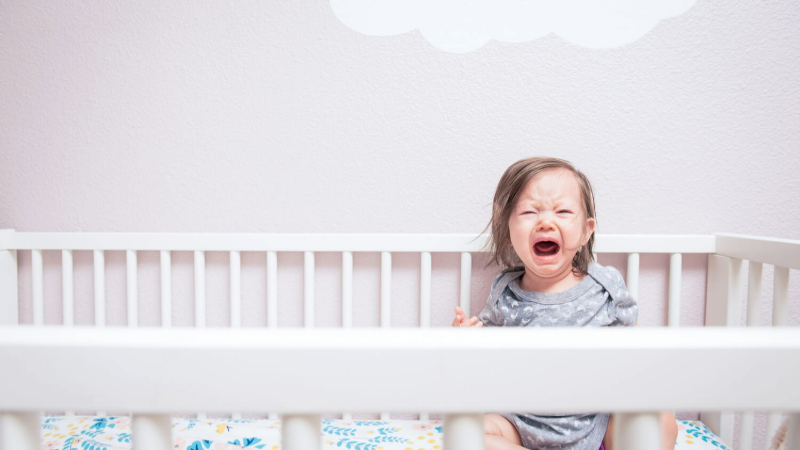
<point>460,26</point>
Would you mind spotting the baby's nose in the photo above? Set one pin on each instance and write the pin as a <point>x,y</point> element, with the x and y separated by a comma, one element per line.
<point>545,223</point>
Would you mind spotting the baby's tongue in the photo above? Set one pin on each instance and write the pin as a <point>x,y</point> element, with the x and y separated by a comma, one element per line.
<point>545,248</point>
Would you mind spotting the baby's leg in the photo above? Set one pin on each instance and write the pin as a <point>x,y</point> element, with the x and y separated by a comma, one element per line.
<point>500,434</point>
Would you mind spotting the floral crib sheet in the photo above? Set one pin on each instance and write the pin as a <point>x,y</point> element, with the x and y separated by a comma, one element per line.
<point>114,433</point>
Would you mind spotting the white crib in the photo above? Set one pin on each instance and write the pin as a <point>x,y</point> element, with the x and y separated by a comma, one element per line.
<point>764,364</point>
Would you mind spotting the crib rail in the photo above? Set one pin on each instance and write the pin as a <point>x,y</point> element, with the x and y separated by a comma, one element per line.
<point>303,373</point>
<point>465,242</point>
<point>727,255</point>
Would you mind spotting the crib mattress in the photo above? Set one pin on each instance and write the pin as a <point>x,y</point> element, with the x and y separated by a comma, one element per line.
<point>114,433</point>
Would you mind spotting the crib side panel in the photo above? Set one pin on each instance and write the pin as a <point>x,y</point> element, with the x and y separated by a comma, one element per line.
<point>9,300</point>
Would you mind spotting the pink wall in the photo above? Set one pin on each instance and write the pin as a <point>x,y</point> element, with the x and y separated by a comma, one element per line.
<point>275,117</point>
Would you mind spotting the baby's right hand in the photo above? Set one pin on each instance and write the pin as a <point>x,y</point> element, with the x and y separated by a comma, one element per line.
<point>462,321</point>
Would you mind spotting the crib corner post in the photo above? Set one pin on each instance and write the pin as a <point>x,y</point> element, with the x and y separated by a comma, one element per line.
<point>723,291</point>
<point>20,431</point>
<point>723,305</point>
<point>463,432</point>
<point>9,300</point>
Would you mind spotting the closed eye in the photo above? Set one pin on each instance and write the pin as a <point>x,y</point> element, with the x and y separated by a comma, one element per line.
<point>565,211</point>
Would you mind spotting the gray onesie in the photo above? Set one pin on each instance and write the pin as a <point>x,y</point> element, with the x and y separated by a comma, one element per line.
<point>599,300</point>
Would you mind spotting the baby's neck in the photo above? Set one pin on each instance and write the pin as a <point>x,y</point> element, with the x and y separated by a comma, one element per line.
<point>558,283</point>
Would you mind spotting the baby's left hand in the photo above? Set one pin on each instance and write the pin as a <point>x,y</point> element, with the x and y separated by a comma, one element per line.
<point>462,321</point>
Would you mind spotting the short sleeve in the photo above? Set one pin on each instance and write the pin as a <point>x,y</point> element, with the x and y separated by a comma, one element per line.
<point>624,310</point>
<point>490,316</point>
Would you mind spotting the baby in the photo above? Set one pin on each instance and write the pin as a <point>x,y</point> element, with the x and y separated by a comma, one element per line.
<point>542,227</point>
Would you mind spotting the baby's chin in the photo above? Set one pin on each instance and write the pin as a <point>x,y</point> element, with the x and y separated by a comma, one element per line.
<point>548,270</point>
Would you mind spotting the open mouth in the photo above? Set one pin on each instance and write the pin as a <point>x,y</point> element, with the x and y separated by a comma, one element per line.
<point>546,248</point>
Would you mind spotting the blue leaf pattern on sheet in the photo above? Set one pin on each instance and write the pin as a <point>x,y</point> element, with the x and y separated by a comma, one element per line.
<point>339,431</point>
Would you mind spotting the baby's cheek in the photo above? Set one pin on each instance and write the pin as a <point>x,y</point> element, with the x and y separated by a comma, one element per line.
<point>572,238</point>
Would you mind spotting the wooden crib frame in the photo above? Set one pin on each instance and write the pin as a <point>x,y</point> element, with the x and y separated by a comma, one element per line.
<point>733,368</point>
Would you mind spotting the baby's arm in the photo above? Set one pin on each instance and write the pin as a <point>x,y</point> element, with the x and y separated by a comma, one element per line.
<point>462,321</point>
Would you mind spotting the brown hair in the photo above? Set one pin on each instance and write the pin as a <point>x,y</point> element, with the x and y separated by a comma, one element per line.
<point>511,184</point>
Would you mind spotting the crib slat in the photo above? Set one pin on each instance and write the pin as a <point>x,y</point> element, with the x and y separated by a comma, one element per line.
<point>633,275</point>
<point>166,288</point>
<point>20,431</point>
<point>425,291</point>
<point>386,290</point>
<point>236,299</point>
<point>37,275</point>
<point>347,289</point>
<point>133,290</point>
<point>780,297</point>
<point>746,430</point>
<point>674,319</point>
<point>308,289</point>
<point>425,301</point>
<point>754,293</point>
<point>99,288</point>
<point>67,288</point>
<point>780,318</point>
<point>272,290</point>
<point>386,300</point>
<point>463,432</point>
<point>9,282</point>
<point>236,289</point>
<point>151,431</point>
<point>199,288</point>
<point>466,280</point>
<point>636,431</point>
<point>747,423</point>
<point>301,432</point>
<point>200,298</point>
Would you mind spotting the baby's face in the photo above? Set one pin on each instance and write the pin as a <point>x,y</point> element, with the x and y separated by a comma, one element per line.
<point>548,223</point>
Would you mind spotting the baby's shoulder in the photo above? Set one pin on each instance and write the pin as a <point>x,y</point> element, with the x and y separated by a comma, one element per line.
<point>502,279</point>
<point>609,274</point>
<point>610,279</point>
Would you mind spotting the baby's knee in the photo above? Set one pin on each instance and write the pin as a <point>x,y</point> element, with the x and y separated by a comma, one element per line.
<point>491,424</point>
<point>497,425</point>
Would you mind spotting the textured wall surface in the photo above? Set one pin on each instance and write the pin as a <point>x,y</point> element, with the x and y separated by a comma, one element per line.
<point>275,117</point>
